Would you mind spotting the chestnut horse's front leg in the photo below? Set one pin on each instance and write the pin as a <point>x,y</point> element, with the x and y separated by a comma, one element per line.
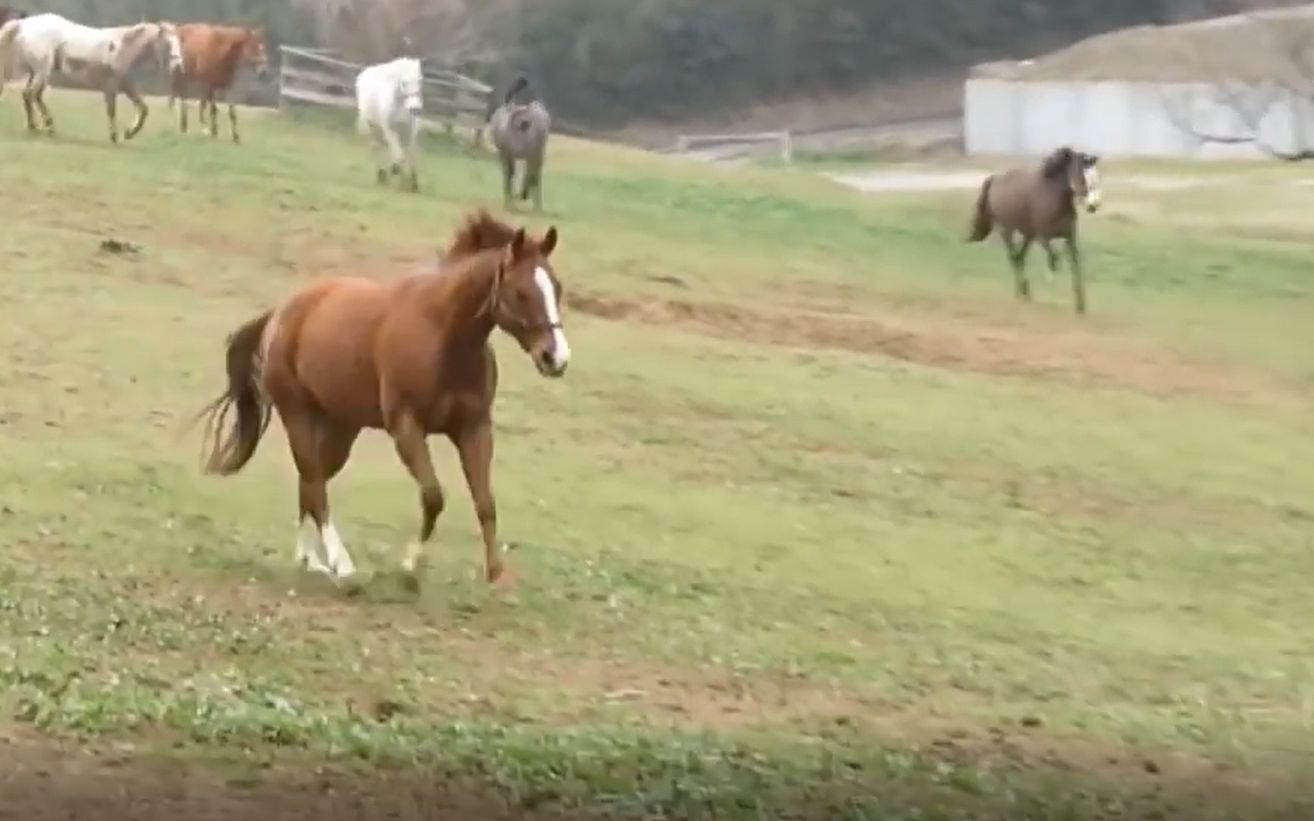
<point>475,446</point>
<point>408,435</point>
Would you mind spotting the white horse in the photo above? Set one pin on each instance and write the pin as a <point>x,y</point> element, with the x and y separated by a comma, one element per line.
<point>389,97</point>
<point>45,44</point>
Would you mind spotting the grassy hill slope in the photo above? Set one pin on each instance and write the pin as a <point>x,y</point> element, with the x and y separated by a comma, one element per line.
<point>821,522</point>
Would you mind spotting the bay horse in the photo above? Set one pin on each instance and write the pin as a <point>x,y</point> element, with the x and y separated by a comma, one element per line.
<point>1037,204</point>
<point>519,131</point>
<point>390,96</point>
<point>410,356</point>
<point>46,44</point>
<point>210,55</point>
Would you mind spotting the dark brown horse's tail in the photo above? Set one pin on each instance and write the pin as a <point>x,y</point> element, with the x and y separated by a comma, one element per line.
<point>229,452</point>
<point>982,222</point>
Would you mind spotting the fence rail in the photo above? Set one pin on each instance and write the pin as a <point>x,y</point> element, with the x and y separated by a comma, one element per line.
<point>784,140</point>
<point>314,77</point>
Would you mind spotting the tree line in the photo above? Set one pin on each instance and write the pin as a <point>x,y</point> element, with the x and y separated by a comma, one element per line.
<point>601,62</point>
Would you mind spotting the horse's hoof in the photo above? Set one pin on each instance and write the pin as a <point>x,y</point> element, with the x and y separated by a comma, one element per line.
<point>394,169</point>
<point>381,176</point>
<point>351,587</point>
<point>410,582</point>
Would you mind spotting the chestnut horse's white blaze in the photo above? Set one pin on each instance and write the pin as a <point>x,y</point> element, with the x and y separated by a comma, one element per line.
<point>389,98</point>
<point>560,347</point>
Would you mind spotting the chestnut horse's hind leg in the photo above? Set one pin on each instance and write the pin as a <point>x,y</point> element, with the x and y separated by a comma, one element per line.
<point>413,450</point>
<point>319,452</point>
<point>475,447</point>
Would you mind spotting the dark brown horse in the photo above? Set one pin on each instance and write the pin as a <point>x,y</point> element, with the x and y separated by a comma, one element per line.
<point>209,56</point>
<point>410,356</point>
<point>1037,204</point>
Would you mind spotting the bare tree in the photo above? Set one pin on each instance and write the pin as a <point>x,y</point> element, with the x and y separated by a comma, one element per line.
<point>452,32</point>
<point>1267,72</point>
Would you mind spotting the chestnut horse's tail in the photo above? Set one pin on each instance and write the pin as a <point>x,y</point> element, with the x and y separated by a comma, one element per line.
<point>982,222</point>
<point>8,32</point>
<point>230,452</point>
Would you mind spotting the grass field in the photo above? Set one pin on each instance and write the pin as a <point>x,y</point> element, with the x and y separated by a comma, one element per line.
<point>821,524</point>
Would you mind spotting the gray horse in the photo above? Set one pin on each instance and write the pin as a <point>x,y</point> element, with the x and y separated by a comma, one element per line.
<point>519,131</point>
<point>1037,203</point>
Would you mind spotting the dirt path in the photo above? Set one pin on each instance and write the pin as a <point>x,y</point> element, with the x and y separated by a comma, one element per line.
<point>41,780</point>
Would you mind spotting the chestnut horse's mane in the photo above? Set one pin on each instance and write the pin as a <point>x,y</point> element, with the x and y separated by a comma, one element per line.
<point>481,231</point>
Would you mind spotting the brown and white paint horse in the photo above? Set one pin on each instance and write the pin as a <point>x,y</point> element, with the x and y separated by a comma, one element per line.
<point>1038,204</point>
<point>43,45</point>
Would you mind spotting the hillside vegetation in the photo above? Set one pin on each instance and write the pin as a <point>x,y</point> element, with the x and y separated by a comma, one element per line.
<point>821,524</point>
<point>603,63</point>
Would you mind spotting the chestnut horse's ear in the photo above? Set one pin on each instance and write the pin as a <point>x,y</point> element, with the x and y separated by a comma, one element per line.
<point>549,241</point>
<point>518,243</point>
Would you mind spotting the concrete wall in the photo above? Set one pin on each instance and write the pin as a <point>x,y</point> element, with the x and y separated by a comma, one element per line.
<point>1131,119</point>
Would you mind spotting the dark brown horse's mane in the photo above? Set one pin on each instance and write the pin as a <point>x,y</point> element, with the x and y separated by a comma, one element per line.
<point>1057,162</point>
<point>480,232</point>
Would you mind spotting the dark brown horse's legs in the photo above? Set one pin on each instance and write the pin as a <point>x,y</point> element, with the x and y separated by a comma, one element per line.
<point>1052,256</point>
<point>1017,257</point>
<point>1078,277</point>
<point>476,450</point>
<point>413,450</point>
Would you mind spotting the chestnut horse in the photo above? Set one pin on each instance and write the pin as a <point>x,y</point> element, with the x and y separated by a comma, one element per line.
<point>410,356</point>
<point>1037,203</point>
<point>210,55</point>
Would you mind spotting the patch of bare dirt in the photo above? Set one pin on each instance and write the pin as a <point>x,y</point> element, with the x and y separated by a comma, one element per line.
<point>961,342</point>
<point>42,780</point>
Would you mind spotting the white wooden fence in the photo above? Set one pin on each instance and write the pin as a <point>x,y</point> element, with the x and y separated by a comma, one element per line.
<point>317,77</point>
<point>730,144</point>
